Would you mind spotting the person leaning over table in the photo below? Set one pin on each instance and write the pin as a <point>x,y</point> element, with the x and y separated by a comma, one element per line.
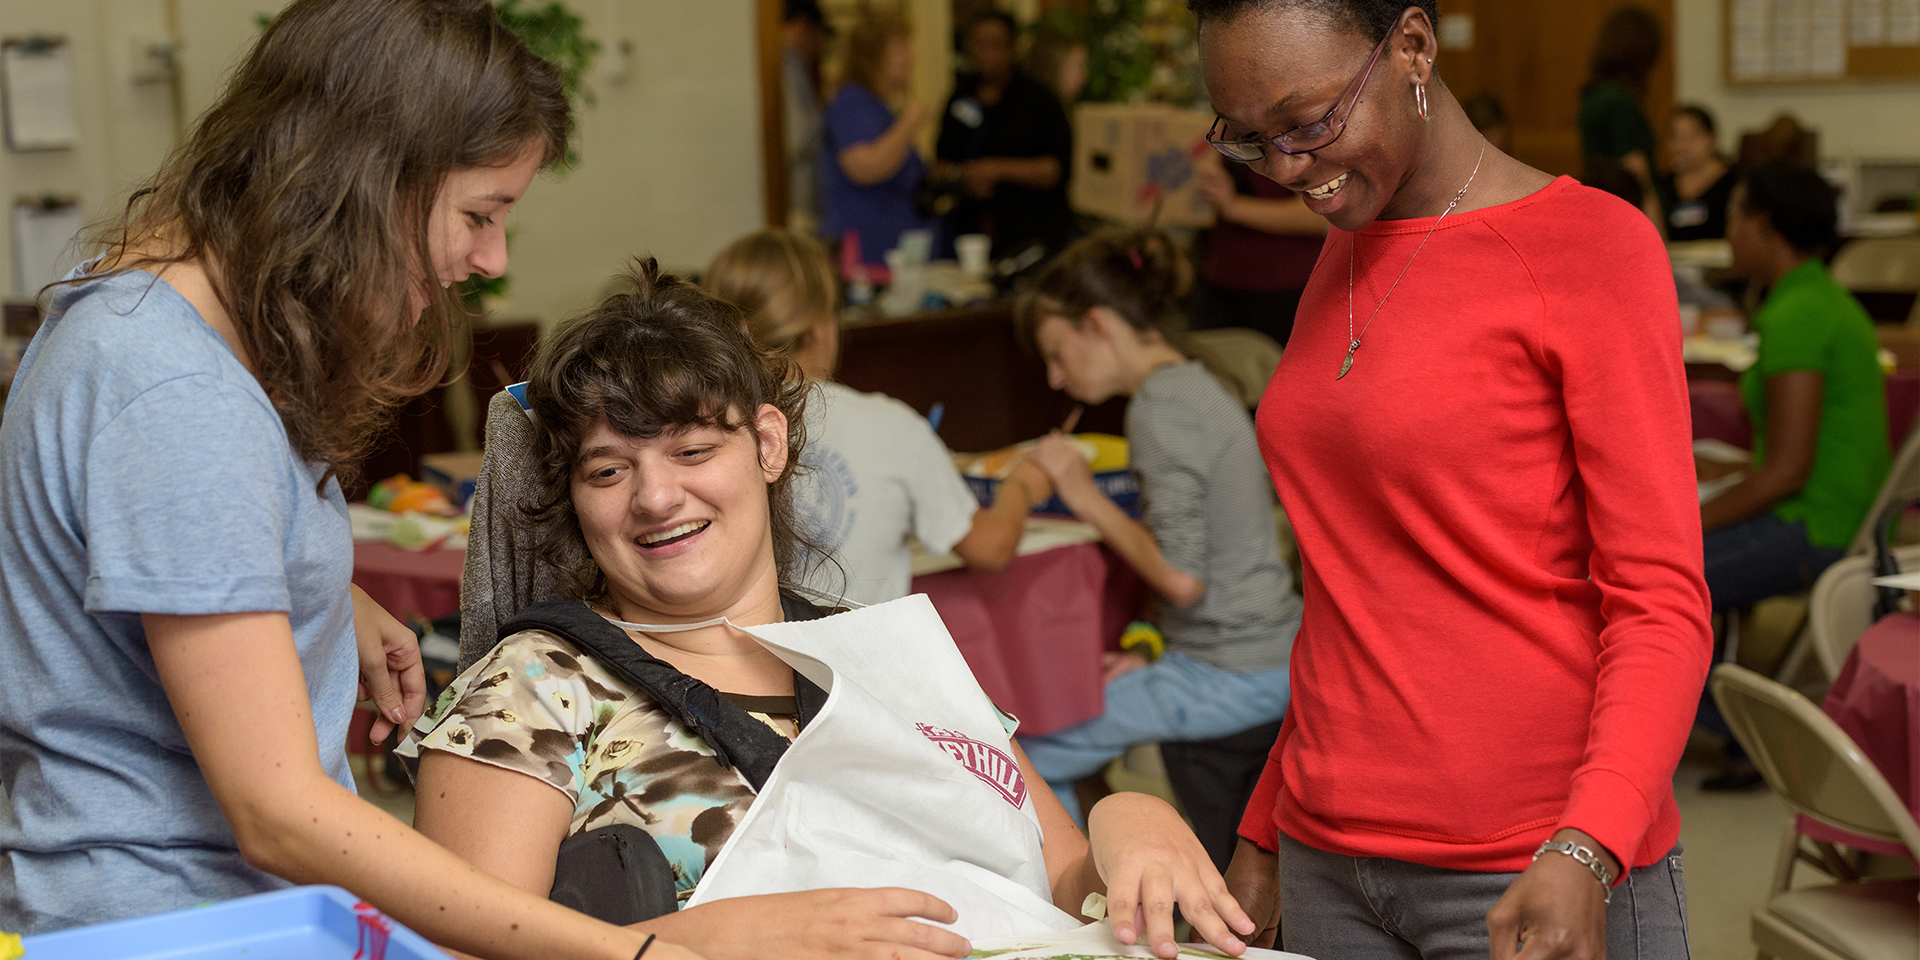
<point>1488,468</point>
<point>877,473</point>
<point>1817,399</point>
<point>178,637</point>
<point>1105,316</point>
<point>1260,251</point>
<point>664,454</point>
<point>870,169</point>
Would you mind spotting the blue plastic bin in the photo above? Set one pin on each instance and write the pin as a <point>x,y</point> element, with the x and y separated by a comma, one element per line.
<point>303,923</point>
<point>1118,485</point>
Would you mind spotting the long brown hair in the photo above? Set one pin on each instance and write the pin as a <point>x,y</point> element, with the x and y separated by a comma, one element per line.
<point>782,281</point>
<point>657,354</point>
<point>306,191</point>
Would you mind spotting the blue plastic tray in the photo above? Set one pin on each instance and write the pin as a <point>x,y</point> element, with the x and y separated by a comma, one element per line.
<point>304,923</point>
<point>1118,485</point>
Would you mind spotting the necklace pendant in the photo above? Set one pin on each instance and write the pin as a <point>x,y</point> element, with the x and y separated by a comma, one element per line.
<point>1347,364</point>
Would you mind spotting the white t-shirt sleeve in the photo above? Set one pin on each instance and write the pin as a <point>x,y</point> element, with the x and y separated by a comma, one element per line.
<point>943,507</point>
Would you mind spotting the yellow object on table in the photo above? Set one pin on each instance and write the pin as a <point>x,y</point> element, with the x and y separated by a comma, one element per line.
<point>10,948</point>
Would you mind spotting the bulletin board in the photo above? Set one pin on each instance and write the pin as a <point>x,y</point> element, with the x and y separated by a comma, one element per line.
<point>1822,41</point>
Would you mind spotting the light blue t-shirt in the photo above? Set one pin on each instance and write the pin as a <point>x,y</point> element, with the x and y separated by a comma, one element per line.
<point>143,470</point>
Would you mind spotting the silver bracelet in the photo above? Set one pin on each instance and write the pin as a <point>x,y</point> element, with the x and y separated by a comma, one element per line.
<point>1586,858</point>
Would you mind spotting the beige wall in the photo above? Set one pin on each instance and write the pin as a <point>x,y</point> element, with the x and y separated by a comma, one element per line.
<point>1874,121</point>
<point>124,128</point>
<point>670,149</point>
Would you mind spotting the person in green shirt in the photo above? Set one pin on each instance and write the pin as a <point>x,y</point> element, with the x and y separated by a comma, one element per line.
<point>1817,399</point>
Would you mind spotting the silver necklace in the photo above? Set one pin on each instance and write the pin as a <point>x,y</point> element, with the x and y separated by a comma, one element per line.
<point>1353,339</point>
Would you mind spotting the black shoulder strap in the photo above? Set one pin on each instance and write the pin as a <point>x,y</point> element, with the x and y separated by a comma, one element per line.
<point>738,740</point>
<point>809,695</point>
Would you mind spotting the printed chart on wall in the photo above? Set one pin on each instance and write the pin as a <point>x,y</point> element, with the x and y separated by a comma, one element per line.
<point>1822,41</point>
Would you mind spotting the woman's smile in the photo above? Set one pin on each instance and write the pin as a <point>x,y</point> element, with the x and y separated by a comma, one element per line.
<point>668,541</point>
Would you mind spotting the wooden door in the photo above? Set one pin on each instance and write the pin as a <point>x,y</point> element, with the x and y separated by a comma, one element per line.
<point>1533,56</point>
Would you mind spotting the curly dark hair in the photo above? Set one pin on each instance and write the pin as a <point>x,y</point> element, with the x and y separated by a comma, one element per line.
<point>1372,18</point>
<point>1797,200</point>
<point>657,354</point>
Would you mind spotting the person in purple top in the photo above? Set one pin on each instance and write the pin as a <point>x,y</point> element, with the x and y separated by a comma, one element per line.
<point>871,168</point>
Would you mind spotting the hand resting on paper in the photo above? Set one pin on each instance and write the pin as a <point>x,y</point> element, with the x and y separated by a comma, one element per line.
<point>817,925</point>
<point>1254,879</point>
<point>1150,861</point>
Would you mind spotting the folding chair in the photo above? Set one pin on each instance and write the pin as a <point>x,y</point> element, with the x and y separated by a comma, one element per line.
<point>1818,770</point>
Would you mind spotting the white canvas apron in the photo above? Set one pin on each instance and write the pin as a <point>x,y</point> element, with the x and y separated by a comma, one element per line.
<point>905,778</point>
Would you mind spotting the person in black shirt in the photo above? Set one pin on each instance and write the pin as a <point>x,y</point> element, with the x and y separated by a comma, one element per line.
<point>1007,142</point>
<point>1694,196</point>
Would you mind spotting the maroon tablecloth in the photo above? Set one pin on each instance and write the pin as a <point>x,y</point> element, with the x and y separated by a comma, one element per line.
<point>1876,700</point>
<point>410,583</point>
<point>1033,632</point>
<point>1718,412</point>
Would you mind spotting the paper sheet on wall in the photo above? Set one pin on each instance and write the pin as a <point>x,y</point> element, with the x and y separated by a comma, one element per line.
<point>1869,23</point>
<point>1827,47</point>
<point>43,244</point>
<point>39,96</point>
<point>1752,52</point>
<point>1903,23</point>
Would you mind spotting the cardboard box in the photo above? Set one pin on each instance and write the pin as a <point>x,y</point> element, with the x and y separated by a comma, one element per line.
<point>454,473</point>
<point>1128,158</point>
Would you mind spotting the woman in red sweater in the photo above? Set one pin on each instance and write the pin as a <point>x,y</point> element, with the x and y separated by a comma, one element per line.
<point>1480,433</point>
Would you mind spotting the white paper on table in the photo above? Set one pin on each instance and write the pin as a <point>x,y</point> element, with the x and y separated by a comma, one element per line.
<point>43,244</point>
<point>1720,451</point>
<point>1096,941</point>
<point>1899,581</point>
<point>39,96</point>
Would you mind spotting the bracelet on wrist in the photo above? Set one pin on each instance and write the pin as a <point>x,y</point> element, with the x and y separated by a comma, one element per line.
<point>644,946</point>
<point>1585,857</point>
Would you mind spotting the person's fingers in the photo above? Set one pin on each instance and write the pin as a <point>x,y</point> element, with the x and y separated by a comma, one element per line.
<point>1503,930</point>
<point>413,692</point>
<point>902,902</point>
<point>1156,905</point>
<point>1214,916</point>
<point>913,935</point>
<point>1123,899</point>
<point>1225,904</point>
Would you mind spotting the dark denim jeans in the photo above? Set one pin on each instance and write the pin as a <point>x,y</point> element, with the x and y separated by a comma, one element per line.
<point>1369,908</point>
<point>1749,562</point>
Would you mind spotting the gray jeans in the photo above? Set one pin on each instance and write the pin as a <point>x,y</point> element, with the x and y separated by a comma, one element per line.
<point>1370,908</point>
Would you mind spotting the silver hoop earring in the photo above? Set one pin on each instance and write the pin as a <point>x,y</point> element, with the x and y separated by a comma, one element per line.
<point>1420,100</point>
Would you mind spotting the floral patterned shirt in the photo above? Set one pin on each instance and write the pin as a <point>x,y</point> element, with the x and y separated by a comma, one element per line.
<point>538,705</point>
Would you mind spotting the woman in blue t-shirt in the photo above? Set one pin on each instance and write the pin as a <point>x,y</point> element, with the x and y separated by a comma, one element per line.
<point>179,640</point>
<point>871,168</point>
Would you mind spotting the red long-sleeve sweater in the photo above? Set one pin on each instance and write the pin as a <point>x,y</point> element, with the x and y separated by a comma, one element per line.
<point>1506,626</point>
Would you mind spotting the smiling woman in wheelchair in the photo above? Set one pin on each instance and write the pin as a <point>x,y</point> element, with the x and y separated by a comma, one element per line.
<point>665,442</point>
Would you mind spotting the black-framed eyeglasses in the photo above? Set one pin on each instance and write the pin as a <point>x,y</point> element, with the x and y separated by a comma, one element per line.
<point>1301,139</point>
